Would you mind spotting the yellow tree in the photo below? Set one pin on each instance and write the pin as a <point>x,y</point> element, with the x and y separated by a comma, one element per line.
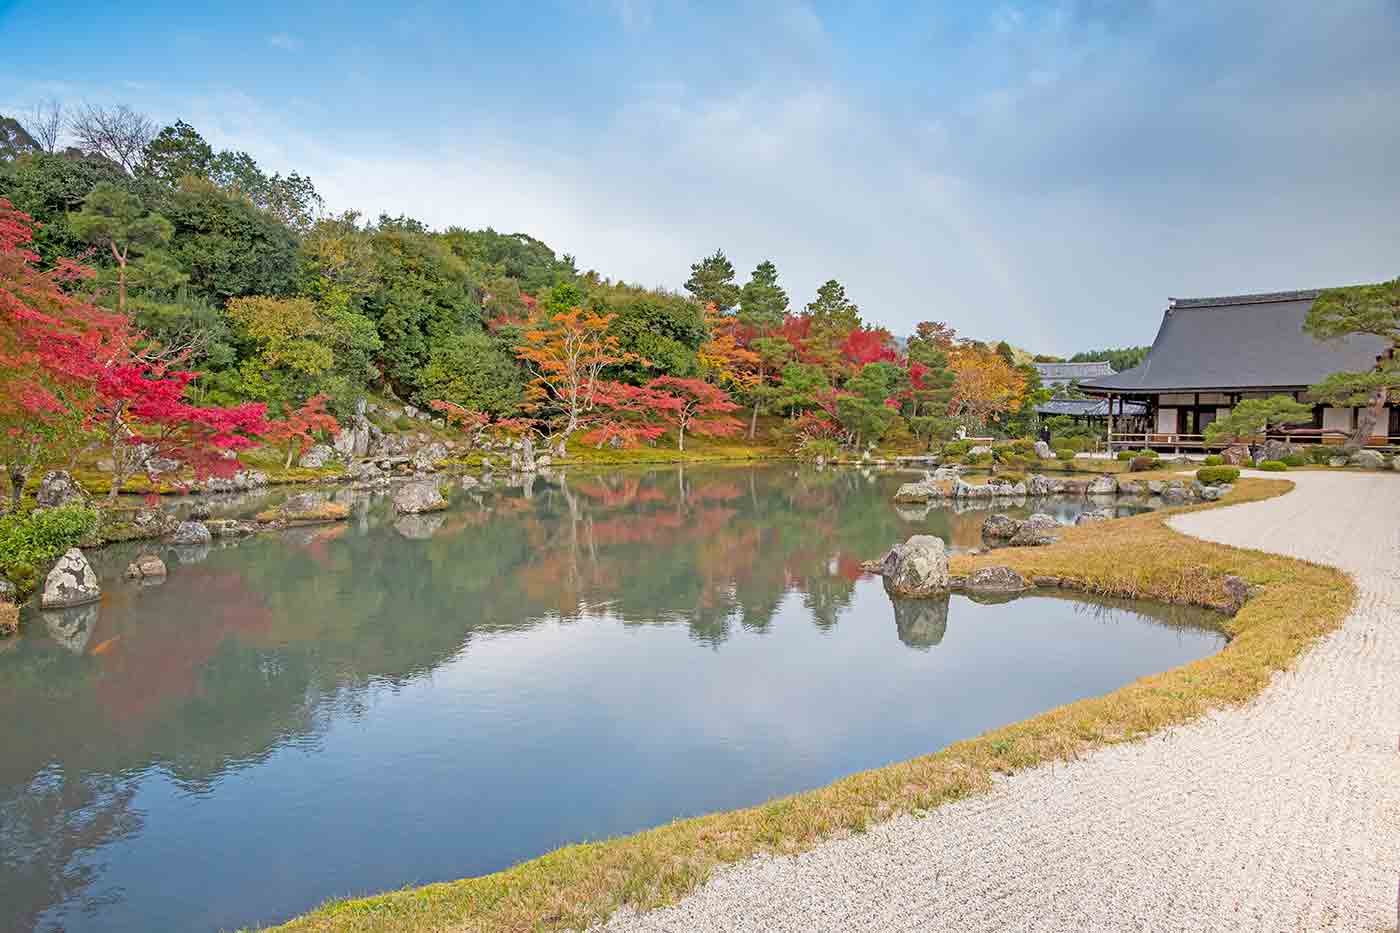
<point>984,384</point>
<point>565,352</point>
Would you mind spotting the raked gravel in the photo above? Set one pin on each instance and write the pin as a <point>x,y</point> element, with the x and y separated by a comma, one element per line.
<point>1283,814</point>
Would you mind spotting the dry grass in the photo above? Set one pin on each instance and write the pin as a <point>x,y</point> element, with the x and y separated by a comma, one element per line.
<point>1134,557</point>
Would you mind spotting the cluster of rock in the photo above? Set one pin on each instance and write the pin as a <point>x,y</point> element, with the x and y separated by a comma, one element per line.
<point>941,485</point>
<point>918,569</point>
<point>418,498</point>
<point>1037,531</point>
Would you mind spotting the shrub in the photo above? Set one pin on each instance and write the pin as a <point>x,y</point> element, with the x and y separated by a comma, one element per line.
<point>1149,454</point>
<point>1125,455</point>
<point>1217,475</point>
<point>956,448</point>
<point>1065,453</point>
<point>813,447</point>
<point>972,459</point>
<point>1024,446</point>
<point>1012,478</point>
<point>405,423</point>
<point>1296,460</point>
<point>32,539</point>
<point>1273,466</point>
<point>1321,453</point>
<point>1215,460</point>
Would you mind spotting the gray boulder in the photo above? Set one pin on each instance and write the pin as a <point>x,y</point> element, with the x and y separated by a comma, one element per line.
<point>417,498</point>
<point>146,567</point>
<point>996,580</point>
<point>1043,451</point>
<point>191,534</point>
<point>1368,460</point>
<point>1038,485</point>
<point>1236,455</point>
<point>425,458</point>
<point>7,591</point>
<point>1000,527</point>
<point>916,568</point>
<point>70,583</point>
<point>917,492</point>
<point>317,457</point>
<point>1337,461</point>
<point>242,481</point>
<point>1037,531</point>
<point>1276,450</point>
<point>57,489</point>
<point>1102,486</point>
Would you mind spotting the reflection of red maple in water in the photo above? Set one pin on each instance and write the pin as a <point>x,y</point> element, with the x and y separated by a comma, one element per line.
<point>167,635</point>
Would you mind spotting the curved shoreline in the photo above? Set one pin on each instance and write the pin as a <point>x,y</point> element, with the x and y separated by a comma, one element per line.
<point>584,884</point>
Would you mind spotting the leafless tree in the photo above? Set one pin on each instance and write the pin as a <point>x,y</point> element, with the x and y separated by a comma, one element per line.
<point>46,124</point>
<point>117,133</point>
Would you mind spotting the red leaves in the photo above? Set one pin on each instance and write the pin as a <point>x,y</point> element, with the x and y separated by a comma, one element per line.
<point>868,345</point>
<point>631,413</point>
<point>299,428</point>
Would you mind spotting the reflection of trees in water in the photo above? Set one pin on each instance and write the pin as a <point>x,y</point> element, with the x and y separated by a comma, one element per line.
<point>51,832</point>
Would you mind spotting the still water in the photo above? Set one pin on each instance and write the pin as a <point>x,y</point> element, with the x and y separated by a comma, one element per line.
<point>391,701</point>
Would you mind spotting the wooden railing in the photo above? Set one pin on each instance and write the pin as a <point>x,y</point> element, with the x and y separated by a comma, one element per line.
<point>1199,442</point>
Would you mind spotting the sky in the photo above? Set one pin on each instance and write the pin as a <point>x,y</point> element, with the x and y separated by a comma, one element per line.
<point>1047,173</point>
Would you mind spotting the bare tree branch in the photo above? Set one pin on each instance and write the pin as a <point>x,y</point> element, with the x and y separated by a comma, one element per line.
<point>117,133</point>
<point>46,124</point>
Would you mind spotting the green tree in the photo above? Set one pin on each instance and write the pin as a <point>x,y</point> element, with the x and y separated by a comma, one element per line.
<point>176,152</point>
<point>50,188</point>
<point>475,371</point>
<point>864,411</point>
<point>1255,416</point>
<point>229,248</point>
<point>114,218</point>
<point>931,382</point>
<point>15,140</point>
<point>762,302</point>
<point>665,331</point>
<point>833,316</point>
<point>801,385</point>
<point>1120,360</point>
<point>712,282</point>
<point>1362,309</point>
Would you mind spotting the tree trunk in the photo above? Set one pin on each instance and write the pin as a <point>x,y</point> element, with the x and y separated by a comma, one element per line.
<point>1366,419</point>
<point>18,477</point>
<point>121,278</point>
<point>680,439</point>
<point>753,422</point>
<point>291,449</point>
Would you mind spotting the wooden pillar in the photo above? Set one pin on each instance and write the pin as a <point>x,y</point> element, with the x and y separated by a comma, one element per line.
<point>1110,424</point>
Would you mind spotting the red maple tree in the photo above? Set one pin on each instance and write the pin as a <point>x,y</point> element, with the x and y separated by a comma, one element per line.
<point>298,430</point>
<point>702,408</point>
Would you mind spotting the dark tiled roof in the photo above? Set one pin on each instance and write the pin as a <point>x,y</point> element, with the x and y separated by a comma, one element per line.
<point>1059,373</point>
<point>1088,407</point>
<point>1241,342</point>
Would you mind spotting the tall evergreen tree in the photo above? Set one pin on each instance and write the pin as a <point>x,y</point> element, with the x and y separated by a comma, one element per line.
<point>712,282</point>
<point>762,301</point>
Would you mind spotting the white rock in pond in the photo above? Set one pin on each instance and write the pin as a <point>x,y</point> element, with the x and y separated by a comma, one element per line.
<point>147,566</point>
<point>1037,531</point>
<point>70,583</point>
<point>1102,486</point>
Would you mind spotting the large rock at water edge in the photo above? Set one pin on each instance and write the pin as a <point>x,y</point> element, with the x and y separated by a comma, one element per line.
<point>70,583</point>
<point>918,567</point>
<point>996,580</point>
<point>1000,527</point>
<point>1368,460</point>
<point>1102,486</point>
<point>57,489</point>
<point>191,534</point>
<point>1037,531</point>
<point>425,458</point>
<point>921,491</point>
<point>146,567</point>
<point>416,498</point>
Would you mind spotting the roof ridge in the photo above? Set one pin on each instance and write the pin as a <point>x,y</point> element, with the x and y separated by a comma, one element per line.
<point>1256,298</point>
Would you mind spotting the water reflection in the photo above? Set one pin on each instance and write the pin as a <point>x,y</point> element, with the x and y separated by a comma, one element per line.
<point>673,641</point>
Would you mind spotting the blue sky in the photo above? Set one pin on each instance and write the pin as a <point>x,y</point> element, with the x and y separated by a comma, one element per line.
<point>1046,172</point>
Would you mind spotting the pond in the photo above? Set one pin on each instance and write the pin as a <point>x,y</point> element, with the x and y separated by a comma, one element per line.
<point>387,701</point>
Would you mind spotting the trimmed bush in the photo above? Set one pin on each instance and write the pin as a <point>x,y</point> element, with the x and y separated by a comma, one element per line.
<point>1024,446</point>
<point>1012,478</point>
<point>956,448</point>
<point>1148,453</point>
<point>1296,460</point>
<point>1321,453</point>
<point>1273,466</point>
<point>1065,453</point>
<point>1214,460</point>
<point>1125,455</point>
<point>972,459</point>
<point>1217,475</point>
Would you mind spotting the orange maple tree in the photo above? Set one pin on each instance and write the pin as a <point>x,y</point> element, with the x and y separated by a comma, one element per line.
<point>565,352</point>
<point>984,384</point>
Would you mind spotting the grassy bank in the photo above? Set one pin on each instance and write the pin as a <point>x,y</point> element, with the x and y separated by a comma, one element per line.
<point>1135,557</point>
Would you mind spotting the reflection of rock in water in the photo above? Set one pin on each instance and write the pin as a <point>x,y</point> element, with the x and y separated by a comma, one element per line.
<point>921,622</point>
<point>419,527</point>
<point>71,628</point>
<point>911,513</point>
<point>191,554</point>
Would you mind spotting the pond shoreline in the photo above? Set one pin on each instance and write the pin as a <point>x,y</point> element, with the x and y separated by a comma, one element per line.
<point>1138,557</point>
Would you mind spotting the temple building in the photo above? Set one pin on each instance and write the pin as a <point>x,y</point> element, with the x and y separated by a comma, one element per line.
<point>1210,353</point>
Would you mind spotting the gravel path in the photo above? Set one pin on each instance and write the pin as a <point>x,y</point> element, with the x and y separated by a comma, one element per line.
<point>1281,815</point>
